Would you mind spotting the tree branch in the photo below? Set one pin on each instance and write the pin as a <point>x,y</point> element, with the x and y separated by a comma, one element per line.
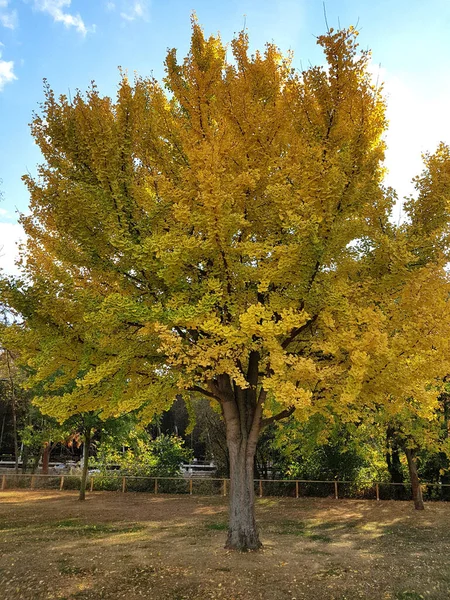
<point>198,389</point>
<point>297,331</point>
<point>281,415</point>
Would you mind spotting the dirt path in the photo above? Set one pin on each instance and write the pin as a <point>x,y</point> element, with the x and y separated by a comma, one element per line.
<point>138,546</point>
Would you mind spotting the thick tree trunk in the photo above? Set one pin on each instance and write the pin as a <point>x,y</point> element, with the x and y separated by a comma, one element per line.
<point>242,530</point>
<point>415,483</point>
<point>242,411</point>
<point>87,443</point>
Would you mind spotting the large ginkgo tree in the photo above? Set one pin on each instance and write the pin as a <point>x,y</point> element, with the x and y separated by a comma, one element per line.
<point>226,234</point>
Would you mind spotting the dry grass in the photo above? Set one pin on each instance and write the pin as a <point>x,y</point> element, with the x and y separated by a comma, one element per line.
<point>171,548</point>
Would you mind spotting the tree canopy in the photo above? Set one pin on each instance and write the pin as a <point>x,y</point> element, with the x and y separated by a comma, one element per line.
<point>228,234</point>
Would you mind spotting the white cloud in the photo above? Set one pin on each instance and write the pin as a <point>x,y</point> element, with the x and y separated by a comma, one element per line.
<point>136,9</point>
<point>55,8</point>
<point>5,214</point>
<point>11,234</point>
<point>6,72</point>
<point>8,18</point>
<point>417,123</point>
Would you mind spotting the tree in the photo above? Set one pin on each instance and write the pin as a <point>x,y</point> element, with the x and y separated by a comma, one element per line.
<point>144,456</point>
<point>227,237</point>
<point>40,436</point>
<point>417,435</point>
<point>394,464</point>
<point>15,399</point>
<point>416,423</point>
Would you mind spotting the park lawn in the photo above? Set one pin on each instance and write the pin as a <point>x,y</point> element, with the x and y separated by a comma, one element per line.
<point>138,546</point>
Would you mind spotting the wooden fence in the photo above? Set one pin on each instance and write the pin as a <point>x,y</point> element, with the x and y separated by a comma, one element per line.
<point>218,486</point>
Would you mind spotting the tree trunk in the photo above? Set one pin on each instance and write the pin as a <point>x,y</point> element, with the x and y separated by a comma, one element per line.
<point>14,413</point>
<point>242,529</point>
<point>25,457</point>
<point>395,471</point>
<point>1,434</point>
<point>415,483</point>
<point>84,474</point>
<point>445,478</point>
<point>46,457</point>
<point>16,440</point>
<point>242,412</point>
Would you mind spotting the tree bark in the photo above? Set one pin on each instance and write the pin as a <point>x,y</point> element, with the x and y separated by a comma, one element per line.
<point>415,483</point>
<point>46,457</point>
<point>242,530</point>
<point>87,443</point>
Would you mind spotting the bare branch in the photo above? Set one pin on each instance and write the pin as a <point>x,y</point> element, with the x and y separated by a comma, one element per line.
<point>297,331</point>
<point>281,415</point>
<point>208,394</point>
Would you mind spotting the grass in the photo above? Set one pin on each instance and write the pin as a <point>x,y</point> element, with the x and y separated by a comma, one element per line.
<point>133,546</point>
<point>217,526</point>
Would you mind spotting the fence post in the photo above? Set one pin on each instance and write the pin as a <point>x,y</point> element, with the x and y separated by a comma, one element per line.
<point>224,487</point>
<point>92,484</point>
<point>336,495</point>
<point>32,482</point>
<point>61,483</point>
<point>296,489</point>
<point>260,488</point>
<point>190,486</point>
<point>124,485</point>
<point>4,482</point>
<point>377,489</point>
<point>156,485</point>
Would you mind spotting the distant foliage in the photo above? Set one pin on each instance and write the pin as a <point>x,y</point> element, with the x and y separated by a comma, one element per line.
<point>161,457</point>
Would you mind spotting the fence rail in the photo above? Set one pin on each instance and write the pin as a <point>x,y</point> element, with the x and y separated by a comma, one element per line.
<point>294,488</point>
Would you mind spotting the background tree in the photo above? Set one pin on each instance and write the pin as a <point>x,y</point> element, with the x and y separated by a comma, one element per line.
<point>141,455</point>
<point>40,436</point>
<point>14,400</point>
<point>394,464</point>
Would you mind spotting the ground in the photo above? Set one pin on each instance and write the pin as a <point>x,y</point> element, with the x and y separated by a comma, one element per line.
<point>138,546</point>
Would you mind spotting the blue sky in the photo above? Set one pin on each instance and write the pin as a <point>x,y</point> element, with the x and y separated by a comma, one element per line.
<point>71,42</point>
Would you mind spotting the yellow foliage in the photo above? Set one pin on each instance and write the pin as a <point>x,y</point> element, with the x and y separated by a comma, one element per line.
<point>232,236</point>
